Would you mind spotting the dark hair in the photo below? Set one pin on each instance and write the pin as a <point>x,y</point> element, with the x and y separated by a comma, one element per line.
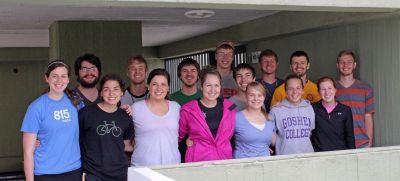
<point>114,77</point>
<point>137,58</point>
<point>326,79</point>
<point>91,58</point>
<point>158,71</point>
<point>209,70</point>
<point>54,64</point>
<point>258,86</point>
<point>345,52</point>
<point>244,66</point>
<point>161,72</point>
<point>267,53</point>
<point>293,76</point>
<point>60,63</point>
<point>187,62</point>
<point>299,54</point>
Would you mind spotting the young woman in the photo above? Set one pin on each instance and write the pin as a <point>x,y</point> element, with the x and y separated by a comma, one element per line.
<point>208,121</point>
<point>333,120</point>
<point>156,124</point>
<point>105,134</point>
<point>294,120</point>
<point>53,120</point>
<point>253,132</point>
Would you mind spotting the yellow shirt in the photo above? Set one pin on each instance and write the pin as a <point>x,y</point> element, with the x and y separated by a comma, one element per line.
<point>310,93</point>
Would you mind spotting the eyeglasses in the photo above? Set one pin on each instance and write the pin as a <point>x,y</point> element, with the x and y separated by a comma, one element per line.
<point>87,69</point>
<point>223,54</point>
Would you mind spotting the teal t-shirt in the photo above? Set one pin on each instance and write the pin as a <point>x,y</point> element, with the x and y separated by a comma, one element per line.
<point>182,99</point>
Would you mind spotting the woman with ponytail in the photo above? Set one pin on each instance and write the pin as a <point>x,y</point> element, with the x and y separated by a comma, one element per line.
<point>53,120</point>
<point>253,132</point>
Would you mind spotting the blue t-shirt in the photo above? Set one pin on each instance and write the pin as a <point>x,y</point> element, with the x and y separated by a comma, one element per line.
<point>250,141</point>
<point>56,125</point>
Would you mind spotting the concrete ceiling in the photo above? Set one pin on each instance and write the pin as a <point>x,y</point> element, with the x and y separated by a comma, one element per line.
<point>26,25</point>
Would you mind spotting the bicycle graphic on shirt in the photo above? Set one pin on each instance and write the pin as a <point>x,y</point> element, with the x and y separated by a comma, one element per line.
<point>109,128</point>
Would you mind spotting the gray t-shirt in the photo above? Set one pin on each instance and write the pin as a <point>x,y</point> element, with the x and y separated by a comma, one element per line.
<point>240,105</point>
<point>293,127</point>
<point>129,98</point>
<point>229,86</point>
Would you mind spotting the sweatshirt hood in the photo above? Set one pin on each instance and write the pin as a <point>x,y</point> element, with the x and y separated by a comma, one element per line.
<point>303,103</point>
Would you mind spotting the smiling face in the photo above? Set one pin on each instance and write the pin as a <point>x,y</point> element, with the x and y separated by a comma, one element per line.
<point>243,78</point>
<point>294,90</point>
<point>189,75</point>
<point>299,65</point>
<point>327,91</point>
<point>58,80</point>
<point>111,92</point>
<point>346,65</point>
<point>268,64</point>
<point>224,58</point>
<point>137,72</point>
<point>88,75</point>
<point>255,98</point>
<point>211,87</point>
<point>158,87</point>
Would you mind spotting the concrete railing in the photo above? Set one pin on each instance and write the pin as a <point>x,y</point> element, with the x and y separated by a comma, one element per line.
<point>374,164</point>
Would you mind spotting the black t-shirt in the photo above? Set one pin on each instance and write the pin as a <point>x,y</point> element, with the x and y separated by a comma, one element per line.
<point>213,115</point>
<point>102,138</point>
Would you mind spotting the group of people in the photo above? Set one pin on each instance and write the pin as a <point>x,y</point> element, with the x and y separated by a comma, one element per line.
<point>217,114</point>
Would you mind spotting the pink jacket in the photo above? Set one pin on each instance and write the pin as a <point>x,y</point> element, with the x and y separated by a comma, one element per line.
<point>205,147</point>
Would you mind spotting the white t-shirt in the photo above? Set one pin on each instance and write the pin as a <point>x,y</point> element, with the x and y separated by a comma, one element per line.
<point>156,137</point>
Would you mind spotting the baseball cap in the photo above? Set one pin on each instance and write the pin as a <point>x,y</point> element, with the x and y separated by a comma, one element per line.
<point>226,43</point>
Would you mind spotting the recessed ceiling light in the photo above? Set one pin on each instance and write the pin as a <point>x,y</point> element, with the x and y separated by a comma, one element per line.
<point>199,13</point>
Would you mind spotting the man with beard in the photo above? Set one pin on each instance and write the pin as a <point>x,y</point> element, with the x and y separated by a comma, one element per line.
<point>87,69</point>
<point>299,64</point>
<point>268,61</point>
<point>358,95</point>
<point>188,72</point>
<point>137,90</point>
<point>224,55</point>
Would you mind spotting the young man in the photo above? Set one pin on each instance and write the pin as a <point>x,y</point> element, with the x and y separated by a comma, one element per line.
<point>87,69</point>
<point>268,61</point>
<point>299,64</point>
<point>243,75</point>
<point>359,96</point>
<point>224,54</point>
<point>137,90</point>
<point>294,119</point>
<point>188,72</point>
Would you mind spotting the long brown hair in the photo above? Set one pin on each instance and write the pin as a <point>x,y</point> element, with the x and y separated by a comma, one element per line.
<point>259,87</point>
<point>70,94</point>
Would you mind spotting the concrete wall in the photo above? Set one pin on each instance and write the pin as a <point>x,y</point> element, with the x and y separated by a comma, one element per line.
<point>350,165</point>
<point>22,81</point>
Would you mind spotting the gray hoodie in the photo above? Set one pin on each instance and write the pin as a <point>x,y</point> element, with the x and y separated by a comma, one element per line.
<point>293,127</point>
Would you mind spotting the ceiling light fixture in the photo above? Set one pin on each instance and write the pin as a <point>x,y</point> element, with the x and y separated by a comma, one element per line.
<point>199,13</point>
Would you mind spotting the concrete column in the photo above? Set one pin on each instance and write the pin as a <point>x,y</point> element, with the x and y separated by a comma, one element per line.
<point>113,41</point>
